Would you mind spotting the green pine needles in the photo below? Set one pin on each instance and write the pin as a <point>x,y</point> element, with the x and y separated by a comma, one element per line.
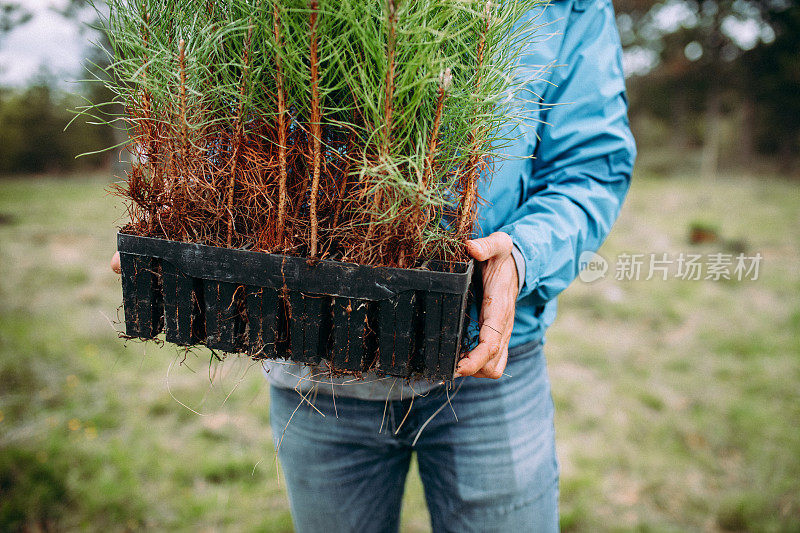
<point>355,130</point>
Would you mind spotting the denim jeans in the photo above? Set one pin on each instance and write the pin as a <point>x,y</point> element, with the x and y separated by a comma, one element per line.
<point>492,469</point>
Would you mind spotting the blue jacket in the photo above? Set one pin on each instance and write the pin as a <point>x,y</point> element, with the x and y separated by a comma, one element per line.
<point>564,200</point>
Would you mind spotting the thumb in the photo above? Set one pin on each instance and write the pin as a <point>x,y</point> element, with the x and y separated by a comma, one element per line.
<point>115,263</point>
<point>496,244</point>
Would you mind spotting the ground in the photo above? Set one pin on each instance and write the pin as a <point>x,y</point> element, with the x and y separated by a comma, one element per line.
<point>678,402</point>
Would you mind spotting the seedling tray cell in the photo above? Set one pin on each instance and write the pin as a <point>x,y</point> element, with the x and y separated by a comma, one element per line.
<point>397,322</point>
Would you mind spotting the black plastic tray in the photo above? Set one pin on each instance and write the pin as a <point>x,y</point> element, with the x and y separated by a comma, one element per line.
<point>398,322</point>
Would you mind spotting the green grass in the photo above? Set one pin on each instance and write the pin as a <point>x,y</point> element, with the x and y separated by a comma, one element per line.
<point>678,403</point>
<point>681,399</point>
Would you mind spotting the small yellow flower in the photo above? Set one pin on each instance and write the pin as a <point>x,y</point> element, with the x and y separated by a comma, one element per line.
<point>74,424</point>
<point>91,432</point>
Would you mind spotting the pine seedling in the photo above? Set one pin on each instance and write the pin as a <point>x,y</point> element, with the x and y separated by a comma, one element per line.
<point>332,129</point>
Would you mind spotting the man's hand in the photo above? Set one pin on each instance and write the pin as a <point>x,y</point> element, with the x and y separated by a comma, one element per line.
<point>500,288</point>
<point>115,263</point>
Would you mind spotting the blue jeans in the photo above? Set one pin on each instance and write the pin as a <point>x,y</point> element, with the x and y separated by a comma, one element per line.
<point>493,469</point>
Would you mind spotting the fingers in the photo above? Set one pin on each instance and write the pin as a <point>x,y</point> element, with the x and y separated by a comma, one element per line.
<point>495,367</point>
<point>115,266</point>
<point>496,244</point>
<point>475,360</point>
<point>488,359</point>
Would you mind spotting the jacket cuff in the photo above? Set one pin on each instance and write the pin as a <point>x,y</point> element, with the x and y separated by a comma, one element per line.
<point>519,260</point>
<point>528,259</point>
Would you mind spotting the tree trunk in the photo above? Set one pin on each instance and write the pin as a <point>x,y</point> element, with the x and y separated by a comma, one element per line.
<point>680,119</point>
<point>747,125</point>
<point>712,134</point>
<point>786,155</point>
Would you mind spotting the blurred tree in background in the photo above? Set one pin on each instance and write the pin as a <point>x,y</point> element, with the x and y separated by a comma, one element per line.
<point>32,137</point>
<point>713,67</point>
<point>772,73</point>
<point>33,118</point>
<point>718,80</point>
<point>12,14</point>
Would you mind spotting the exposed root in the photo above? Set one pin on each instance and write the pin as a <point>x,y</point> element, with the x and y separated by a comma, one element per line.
<point>435,413</point>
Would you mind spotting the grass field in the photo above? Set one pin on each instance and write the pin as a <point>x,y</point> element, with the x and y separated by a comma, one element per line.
<point>678,402</point>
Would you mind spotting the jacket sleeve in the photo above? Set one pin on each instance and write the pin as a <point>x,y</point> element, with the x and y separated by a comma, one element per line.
<point>584,158</point>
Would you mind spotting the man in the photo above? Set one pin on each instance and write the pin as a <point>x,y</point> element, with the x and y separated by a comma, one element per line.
<point>485,447</point>
<point>494,467</point>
